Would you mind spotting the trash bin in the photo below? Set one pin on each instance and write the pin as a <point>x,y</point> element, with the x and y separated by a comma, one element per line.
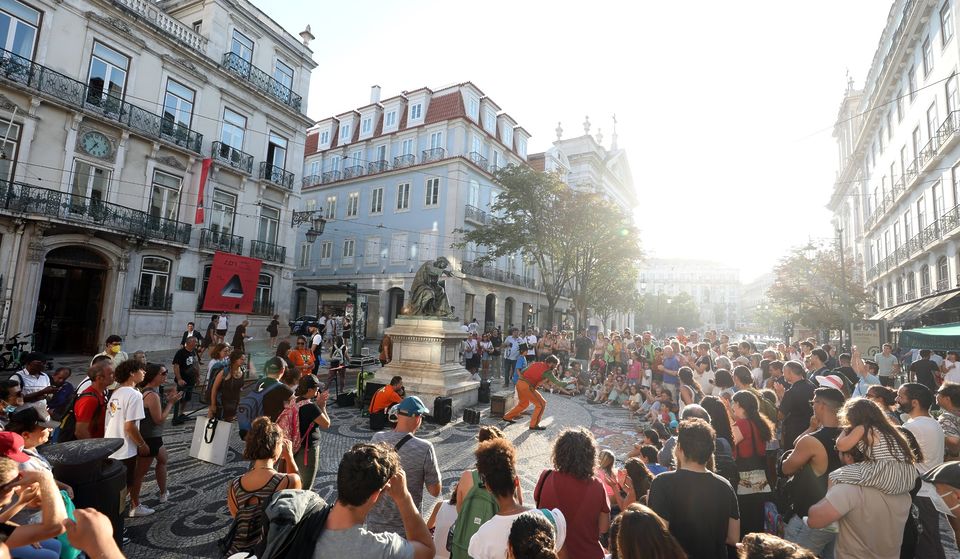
<point>98,481</point>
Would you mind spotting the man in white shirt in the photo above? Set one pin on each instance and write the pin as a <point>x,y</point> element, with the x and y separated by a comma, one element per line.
<point>915,400</point>
<point>34,382</point>
<point>951,367</point>
<point>124,412</point>
<point>531,340</point>
<point>511,352</point>
<point>223,323</point>
<point>887,365</point>
<point>474,326</point>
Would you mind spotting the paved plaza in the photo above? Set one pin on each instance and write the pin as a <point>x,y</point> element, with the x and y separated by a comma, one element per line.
<point>195,517</point>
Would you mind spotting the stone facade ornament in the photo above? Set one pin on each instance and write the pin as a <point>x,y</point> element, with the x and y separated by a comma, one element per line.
<point>586,126</point>
<point>172,161</point>
<point>35,251</point>
<point>559,131</point>
<point>427,294</point>
<point>600,136</point>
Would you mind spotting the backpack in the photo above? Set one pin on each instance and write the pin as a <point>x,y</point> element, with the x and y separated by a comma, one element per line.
<point>292,524</point>
<point>478,506</point>
<point>725,463</point>
<point>251,404</point>
<point>289,422</point>
<point>68,425</point>
<point>212,376</point>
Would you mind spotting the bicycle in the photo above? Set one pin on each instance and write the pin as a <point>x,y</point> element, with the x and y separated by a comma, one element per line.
<point>14,346</point>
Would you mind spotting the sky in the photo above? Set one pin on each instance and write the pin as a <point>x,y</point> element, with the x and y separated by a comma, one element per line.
<point>725,109</point>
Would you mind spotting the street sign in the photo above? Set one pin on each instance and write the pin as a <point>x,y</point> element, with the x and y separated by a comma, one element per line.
<point>866,335</point>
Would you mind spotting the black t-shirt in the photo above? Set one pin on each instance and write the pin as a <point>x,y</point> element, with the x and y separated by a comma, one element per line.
<point>705,360</point>
<point>850,374</point>
<point>274,400</point>
<point>796,410</point>
<point>925,369</point>
<point>308,413</point>
<point>583,346</point>
<point>189,364</point>
<point>698,507</point>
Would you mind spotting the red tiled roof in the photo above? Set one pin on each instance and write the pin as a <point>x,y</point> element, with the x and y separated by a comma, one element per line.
<point>335,135</point>
<point>403,118</point>
<point>537,162</point>
<point>444,108</point>
<point>378,129</point>
<point>313,140</point>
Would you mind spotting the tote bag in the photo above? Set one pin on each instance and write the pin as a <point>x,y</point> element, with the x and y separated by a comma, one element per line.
<point>211,440</point>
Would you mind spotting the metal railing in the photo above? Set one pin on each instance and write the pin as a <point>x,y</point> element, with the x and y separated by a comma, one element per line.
<point>268,251</point>
<point>475,214</point>
<point>434,154</point>
<point>378,166</point>
<point>263,307</point>
<point>311,180</point>
<point>233,157</point>
<point>22,198</point>
<point>223,242</point>
<point>79,95</point>
<point>478,160</point>
<point>911,295</point>
<point>329,176</point>
<point>943,284</point>
<point>924,290</point>
<point>276,175</point>
<point>401,161</point>
<point>147,11</point>
<point>156,300</point>
<point>352,171</point>
<point>260,80</point>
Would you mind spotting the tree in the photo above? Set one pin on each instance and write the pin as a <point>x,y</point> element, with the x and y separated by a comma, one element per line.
<point>666,312</point>
<point>812,289</point>
<point>529,218</point>
<point>615,290</point>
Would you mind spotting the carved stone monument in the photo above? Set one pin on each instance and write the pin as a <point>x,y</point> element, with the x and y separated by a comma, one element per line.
<point>426,343</point>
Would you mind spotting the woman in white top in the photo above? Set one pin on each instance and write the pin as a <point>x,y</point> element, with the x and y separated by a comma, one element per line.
<point>442,518</point>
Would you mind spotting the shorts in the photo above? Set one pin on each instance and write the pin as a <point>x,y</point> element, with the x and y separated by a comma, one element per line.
<point>131,464</point>
<point>221,333</point>
<point>155,444</point>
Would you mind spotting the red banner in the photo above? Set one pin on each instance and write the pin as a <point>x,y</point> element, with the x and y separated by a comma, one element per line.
<point>233,284</point>
<point>204,171</point>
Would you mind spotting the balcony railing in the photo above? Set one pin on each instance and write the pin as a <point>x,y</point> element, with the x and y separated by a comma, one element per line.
<point>911,295</point>
<point>19,198</point>
<point>943,285</point>
<point>261,80</point>
<point>329,176</point>
<point>276,175</point>
<point>223,242</point>
<point>79,95</point>
<point>263,307</point>
<point>402,161</point>
<point>474,214</point>
<point>352,171</point>
<point>311,180</point>
<point>478,160</point>
<point>232,156</point>
<point>268,251</point>
<point>924,290</point>
<point>156,300</point>
<point>434,154</point>
<point>378,166</point>
<point>147,11</point>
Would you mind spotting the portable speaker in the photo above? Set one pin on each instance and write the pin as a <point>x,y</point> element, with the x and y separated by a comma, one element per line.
<point>500,404</point>
<point>483,393</point>
<point>471,416</point>
<point>369,389</point>
<point>346,400</point>
<point>442,410</point>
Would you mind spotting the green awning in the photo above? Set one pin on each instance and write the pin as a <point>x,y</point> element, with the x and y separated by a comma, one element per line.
<point>942,337</point>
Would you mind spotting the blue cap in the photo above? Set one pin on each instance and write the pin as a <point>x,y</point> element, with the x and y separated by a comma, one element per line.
<point>411,405</point>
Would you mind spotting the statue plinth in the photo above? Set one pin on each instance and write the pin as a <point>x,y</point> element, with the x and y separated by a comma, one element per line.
<point>426,352</point>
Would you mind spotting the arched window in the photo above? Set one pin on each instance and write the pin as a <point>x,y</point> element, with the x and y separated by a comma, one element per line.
<point>911,285</point>
<point>889,294</point>
<point>924,280</point>
<point>263,302</point>
<point>153,290</point>
<point>942,273</point>
<point>900,282</point>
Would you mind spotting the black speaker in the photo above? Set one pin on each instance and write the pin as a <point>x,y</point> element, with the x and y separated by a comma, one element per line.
<point>369,389</point>
<point>483,393</point>
<point>346,399</point>
<point>471,416</point>
<point>442,410</point>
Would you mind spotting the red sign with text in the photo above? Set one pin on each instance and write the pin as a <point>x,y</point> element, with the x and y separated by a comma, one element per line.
<point>233,284</point>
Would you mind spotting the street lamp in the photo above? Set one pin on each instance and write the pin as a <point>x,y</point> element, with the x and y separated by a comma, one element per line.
<point>314,218</point>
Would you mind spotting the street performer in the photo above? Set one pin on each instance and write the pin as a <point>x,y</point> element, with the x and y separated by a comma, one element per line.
<point>527,383</point>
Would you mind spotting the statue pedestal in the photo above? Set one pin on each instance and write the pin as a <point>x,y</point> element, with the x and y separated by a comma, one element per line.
<point>426,354</point>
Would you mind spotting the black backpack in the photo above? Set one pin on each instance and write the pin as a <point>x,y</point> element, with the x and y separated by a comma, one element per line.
<point>68,425</point>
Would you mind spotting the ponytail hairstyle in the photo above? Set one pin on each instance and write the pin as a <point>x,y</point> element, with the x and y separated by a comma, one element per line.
<point>532,537</point>
<point>686,378</point>
<point>751,405</point>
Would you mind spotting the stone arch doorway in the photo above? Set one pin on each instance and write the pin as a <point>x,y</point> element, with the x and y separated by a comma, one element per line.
<point>395,297</point>
<point>508,319</point>
<point>490,313</point>
<point>70,301</point>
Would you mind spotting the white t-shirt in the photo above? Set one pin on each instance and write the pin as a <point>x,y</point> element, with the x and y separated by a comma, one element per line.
<point>322,321</point>
<point>953,371</point>
<point>704,381</point>
<point>531,345</point>
<point>757,375</point>
<point>446,516</point>
<point>222,323</point>
<point>317,340</point>
<point>490,541</point>
<point>930,437</point>
<point>30,383</point>
<point>126,404</point>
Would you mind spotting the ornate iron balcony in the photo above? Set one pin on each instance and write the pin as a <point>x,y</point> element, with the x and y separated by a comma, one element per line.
<point>19,198</point>
<point>223,242</point>
<point>478,160</point>
<point>911,295</point>
<point>401,161</point>
<point>268,251</point>
<point>276,175</point>
<point>329,176</point>
<point>80,96</point>
<point>352,171</point>
<point>260,80</point>
<point>475,214</point>
<point>263,307</point>
<point>311,180</point>
<point>156,300</point>
<point>232,156</point>
<point>378,166</point>
<point>943,285</point>
<point>434,154</point>
<point>924,290</point>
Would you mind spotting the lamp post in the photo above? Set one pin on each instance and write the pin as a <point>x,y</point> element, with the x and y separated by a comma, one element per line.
<point>314,218</point>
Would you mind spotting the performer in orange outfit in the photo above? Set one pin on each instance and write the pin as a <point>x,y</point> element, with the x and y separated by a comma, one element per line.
<point>532,377</point>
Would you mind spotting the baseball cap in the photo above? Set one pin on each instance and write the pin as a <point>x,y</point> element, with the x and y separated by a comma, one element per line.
<point>28,419</point>
<point>11,446</point>
<point>411,405</point>
<point>35,356</point>
<point>831,381</point>
<point>274,365</point>
<point>947,473</point>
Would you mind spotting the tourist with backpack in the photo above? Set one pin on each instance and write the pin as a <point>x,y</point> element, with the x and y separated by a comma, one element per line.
<point>310,410</point>
<point>226,386</point>
<point>267,397</point>
<point>497,468</point>
<point>85,417</point>
<point>473,503</point>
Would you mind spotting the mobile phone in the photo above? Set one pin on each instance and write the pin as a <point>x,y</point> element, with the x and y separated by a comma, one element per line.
<point>5,531</point>
<point>322,388</point>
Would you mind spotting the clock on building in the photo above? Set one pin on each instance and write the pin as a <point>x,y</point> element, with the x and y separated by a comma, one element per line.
<point>96,144</point>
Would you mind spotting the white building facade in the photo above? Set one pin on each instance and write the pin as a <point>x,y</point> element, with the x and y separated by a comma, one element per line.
<point>109,110</point>
<point>714,288</point>
<point>896,195</point>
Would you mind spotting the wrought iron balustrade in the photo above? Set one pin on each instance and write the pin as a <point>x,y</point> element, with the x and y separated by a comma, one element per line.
<point>478,160</point>
<point>263,307</point>
<point>311,180</point>
<point>233,157</point>
<point>434,154</point>
<point>224,242</point>
<point>329,176</point>
<point>924,290</point>
<point>911,295</point>
<point>155,300</point>
<point>943,284</point>
<point>260,80</point>
<point>378,166</point>
<point>352,171</point>
<point>401,161</point>
<point>475,214</point>
<point>93,99</point>
<point>276,175</point>
<point>268,251</point>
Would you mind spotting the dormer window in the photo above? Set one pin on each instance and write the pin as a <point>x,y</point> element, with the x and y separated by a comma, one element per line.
<point>473,108</point>
<point>366,126</point>
<point>390,120</point>
<point>324,137</point>
<point>345,131</point>
<point>490,121</point>
<point>508,136</point>
<point>416,111</point>
<point>522,148</point>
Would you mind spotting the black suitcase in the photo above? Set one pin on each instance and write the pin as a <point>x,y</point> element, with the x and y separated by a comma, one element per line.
<point>471,416</point>
<point>346,400</point>
<point>483,393</point>
<point>442,410</point>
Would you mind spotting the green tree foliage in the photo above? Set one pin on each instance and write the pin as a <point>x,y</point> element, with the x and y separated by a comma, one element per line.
<point>668,312</point>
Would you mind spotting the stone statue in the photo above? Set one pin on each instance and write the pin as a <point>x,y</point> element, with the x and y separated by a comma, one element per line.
<point>427,295</point>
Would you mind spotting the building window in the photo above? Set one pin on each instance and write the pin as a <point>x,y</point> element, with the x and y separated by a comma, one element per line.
<point>263,301</point>
<point>357,157</point>
<point>283,74</point>
<point>269,225</point>
<point>345,132</point>
<point>390,120</point>
<point>165,196</point>
<point>436,140</point>
<point>473,195</point>
<point>473,108</point>
<point>18,28</point>
<point>896,235</point>
<point>428,246</point>
<point>277,151</point>
<point>912,82</point>
<point>314,168</point>
<point>349,247</point>
<point>107,78</point>
<point>952,95</point>
<point>921,215</point>
<point>916,138</point>
<point>900,106</point>
<point>937,197</point>
<point>381,154</point>
<point>432,192</point>
<point>366,126</point>
<point>403,197</point>
<point>353,204</point>
<point>326,250</point>
<point>242,46</point>
<point>234,127</point>
<point>406,147</point>
<point>907,225</point>
<point>376,201</point>
<point>911,285</point>
<point>490,121</point>
<point>900,283</point>
<point>508,137</point>
<point>927,56</point>
<point>335,163</point>
<point>416,111</point>
<point>89,182</point>
<point>933,120</point>
<point>154,283</point>
<point>956,184</point>
<point>889,125</point>
<point>330,211</point>
<point>177,107</point>
<point>925,280</point>
<point>371,251</point>
<point>946,22</point>
<point>324,137</point>
<point>522,148</point>
<point>8,163</point>
<point>942,273</point>
<point>477,144</point>
<point>398,248</point>
<point>224,210</point>
<point>303,257</point>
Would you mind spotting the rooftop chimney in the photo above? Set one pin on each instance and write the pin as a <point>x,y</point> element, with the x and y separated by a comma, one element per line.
<point>375,94</point>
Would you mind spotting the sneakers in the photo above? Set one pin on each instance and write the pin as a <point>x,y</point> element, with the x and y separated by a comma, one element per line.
<point>140,510</point>
<point>164,497</point>
<point>538,428</point>
<point>510,421</point>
